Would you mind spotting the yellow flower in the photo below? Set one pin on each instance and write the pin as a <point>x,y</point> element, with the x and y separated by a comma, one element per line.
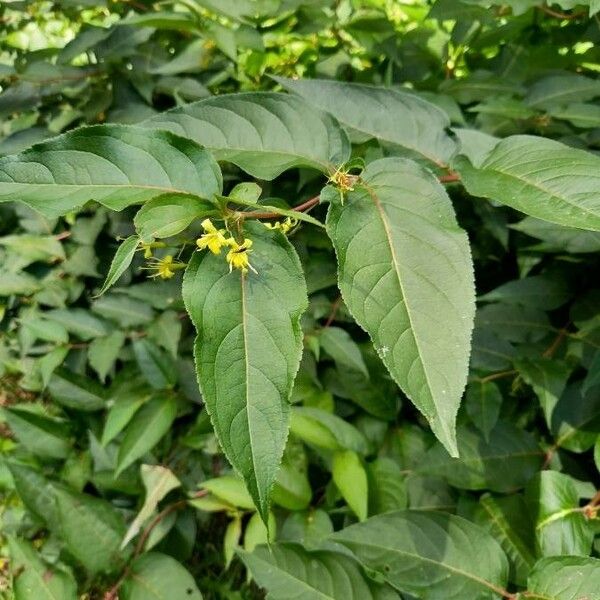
<point>147,248</point>
<point>213,239</point>
<point>285,226</point>
<point>164,267</point>
<point>237,257</point>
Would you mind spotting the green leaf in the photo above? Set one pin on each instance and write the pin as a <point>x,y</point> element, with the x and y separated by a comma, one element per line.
<point>80,322</point>
<point>248,351</point>
<point>387,489</point>
<point>92,531</point>
<point>114,165</point>
<point>34,579</point>
<point>264,133</point>
<point>124,311</point>
<point>289,571</point>
<point>483,401</point>
<point>169,215</point>
<point>40,435</point>
<point>257,533</point>
<point>560,525</point>
<point>103,352</point>
<point>342,348</point>
<point>558,238</point>
<point>42,329</point>
<point>560,89</point>
<point>231,538</point>
<point>405,273</point>
<point>35,492</point>
<point>326,430</point>
<point>548,378</point>
<point>120,262</point>
<point>429,554</point>
<point>540,177</point>
<point>76,391</point>
<point>162,575</point>
<point>506,462</point>
<point>146,429</point>
<point>564,578</point>
<point>158,481</point>
<point>124,404</point>
<point>292,489</point>
<point>350,478</point>
<point>507,519</point>
<point>231,489</point>
<point>392,116</point>
<point>156,365</point>
<point>51,361</point>
<point>539,291</point>
<point>247,192</point>
<point>575,420</point>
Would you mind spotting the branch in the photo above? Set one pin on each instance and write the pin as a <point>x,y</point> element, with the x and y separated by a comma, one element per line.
<point>452,177</point>
<point>304,207</point>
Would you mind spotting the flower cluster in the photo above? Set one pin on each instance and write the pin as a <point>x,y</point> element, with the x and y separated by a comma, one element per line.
<point>215,239</point>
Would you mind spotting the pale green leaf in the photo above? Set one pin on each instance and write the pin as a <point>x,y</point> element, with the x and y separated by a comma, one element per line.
<point>257,533</point>
<point>350,478</point>
<point>405,273</point>
<point>264,133</point>
<point>248,351</point>
<point>429,555</point>
<point>326,430</point>
<point>540,177</point>
<point>231,489</point>
<point>292,489</point>
<point>114,165</point>
<point>158,481</point>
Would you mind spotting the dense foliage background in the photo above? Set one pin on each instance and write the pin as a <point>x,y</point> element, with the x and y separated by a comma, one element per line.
<point>111,477</point>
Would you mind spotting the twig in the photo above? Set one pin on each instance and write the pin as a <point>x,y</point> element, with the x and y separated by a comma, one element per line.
<point>499,375</point>
<point>555,345</point>
<point>63,235</point>
<point>560,15</point>
<point>112,593</point>
<point>334,309</point>
<point>452,177</point>
<point>304,207</point>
